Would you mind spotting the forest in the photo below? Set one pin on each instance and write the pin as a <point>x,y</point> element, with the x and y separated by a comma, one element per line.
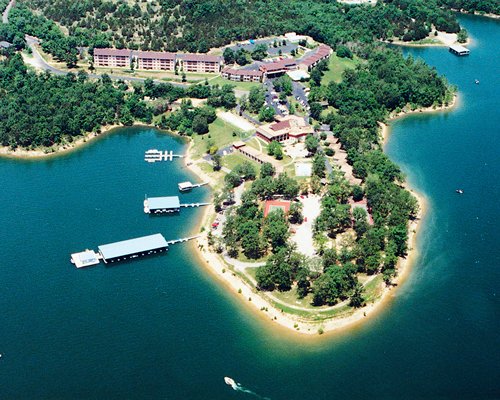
<point>197,26</point>
<point>44,109</point>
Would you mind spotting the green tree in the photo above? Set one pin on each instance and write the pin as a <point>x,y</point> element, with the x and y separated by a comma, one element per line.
<point>276,229</point>
<point>267,169</point>
<point>267,114</point>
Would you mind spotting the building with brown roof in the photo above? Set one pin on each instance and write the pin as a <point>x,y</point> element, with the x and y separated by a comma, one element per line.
<point>311,60</point>
<point>256,155</point>
<point>288,127</point>
<point>242,75</point>
<point>201,63</point>
<point>112,57</point>
<point>277,68</point>
<point>154,60</point>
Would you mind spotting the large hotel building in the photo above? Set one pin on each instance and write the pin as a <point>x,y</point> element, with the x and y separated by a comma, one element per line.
<point>157,61</point>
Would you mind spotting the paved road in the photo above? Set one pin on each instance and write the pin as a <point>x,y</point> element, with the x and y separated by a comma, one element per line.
<point>5,16</point>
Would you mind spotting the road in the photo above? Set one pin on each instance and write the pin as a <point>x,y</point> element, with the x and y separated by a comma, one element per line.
<point>5,16</point>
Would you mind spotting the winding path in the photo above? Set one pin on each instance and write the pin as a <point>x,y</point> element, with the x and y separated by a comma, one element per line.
<point>5,15</point>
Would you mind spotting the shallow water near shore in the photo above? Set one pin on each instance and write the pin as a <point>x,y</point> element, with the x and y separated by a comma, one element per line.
<point>162,328</point>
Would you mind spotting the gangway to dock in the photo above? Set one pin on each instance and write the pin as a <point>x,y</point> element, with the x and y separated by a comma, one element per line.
<point>187,186</point>
<point>154,155</point>
<point>182,240</point>
<point>194,205</point>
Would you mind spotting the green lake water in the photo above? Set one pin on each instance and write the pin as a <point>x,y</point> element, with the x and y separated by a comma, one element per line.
<point>162,328</point>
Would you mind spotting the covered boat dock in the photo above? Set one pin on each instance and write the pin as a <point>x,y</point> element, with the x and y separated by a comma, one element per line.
<point>133,248</point>
<point>159,205</point>
<point>459,50</point>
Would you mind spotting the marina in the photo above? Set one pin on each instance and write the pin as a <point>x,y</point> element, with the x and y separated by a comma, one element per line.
<point>125,250</point>
<point>154,155</point>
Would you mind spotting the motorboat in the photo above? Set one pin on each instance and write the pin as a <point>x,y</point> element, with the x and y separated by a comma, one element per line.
<point>230,382</point>
<point>459,191</point>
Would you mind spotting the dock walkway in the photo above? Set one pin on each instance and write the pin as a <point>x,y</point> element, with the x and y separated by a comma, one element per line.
<point>155,155</point>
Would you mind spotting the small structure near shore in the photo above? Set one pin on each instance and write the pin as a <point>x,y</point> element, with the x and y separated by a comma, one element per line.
<point>187,186</point>
<point>459,50</point>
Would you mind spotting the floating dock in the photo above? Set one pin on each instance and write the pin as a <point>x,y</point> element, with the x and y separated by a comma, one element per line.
<point>167,205</point>
<point>154,155</point>
<point>85,258</point>
<point>160,205</point>
<point>187,186</point>
<point>126,250</point>
<point>459,50</point>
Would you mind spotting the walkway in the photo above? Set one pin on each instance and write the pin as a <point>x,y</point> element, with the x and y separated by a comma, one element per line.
<point>5,16</point>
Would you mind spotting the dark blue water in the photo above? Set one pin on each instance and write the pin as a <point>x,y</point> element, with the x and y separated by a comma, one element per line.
<point>161,328</point>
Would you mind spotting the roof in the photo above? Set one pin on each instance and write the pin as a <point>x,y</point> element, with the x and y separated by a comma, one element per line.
<point>184,185</point>
<point>458,48</point>
<point>156,54</point>
<point>112,52</point>
<point>278,65</point>
<point>321,52</point>
<point>238,144</point>
<point>278,126</point>
<point>155,203</point>
<point>201,57</point>
<point>132,246</point>
<point>241,72</point>
<point>271,205</point>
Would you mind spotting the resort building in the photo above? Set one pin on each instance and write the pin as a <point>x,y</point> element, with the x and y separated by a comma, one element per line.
<point>201,63</point>
<point>242,75</point>
<point>112,57</point>
<point>288,127</point>
<point>277,68</point>
<point>271,205</point>
<point>153,60</point>
<point>256,155</point>
<point>311,60</point>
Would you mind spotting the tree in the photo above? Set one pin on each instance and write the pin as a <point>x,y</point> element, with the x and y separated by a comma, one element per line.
<point>260,52</point>
<point>267,169</point>
<point>311,143</point>
<point>318,168</point>
<point>315,110</point>
<point>200,124</point>
<point>216,159</point>
<point>357,299</point>
<point>295,214</point>
<point>246,170</point>
<point>462,36</point>
<point>256,98</point>
<point>276,229</point>
<point>267,114</point>
<point>232,179</point>
<point>229,56</point>
<point>343,52</point>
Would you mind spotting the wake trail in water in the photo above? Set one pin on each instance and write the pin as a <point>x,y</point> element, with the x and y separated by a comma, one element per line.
<point>240,388</point>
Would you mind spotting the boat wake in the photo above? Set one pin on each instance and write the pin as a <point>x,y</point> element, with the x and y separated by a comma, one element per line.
<point>239,388</point>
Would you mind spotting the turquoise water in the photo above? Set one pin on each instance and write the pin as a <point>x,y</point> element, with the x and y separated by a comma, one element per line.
<point>161,328</point>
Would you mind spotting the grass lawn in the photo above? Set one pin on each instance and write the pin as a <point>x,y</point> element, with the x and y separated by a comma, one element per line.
<point>232,160</point>
<point>221,135</point>
<point>237,85</point>
<point>336,67</point>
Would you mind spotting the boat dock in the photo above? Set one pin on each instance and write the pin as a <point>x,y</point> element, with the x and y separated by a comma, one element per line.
<point>160,205</point>
<point>187,186</point>
<point>155,155</point>
<point>126,250</point>
<point>459,50</point>
<point>167,205</point>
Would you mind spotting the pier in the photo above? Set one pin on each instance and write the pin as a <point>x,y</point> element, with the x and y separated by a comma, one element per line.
<point>194,205</point>
<point>187,186</point>
<point>126,250</point>
<point>160,205</point>
<point>155,155</point>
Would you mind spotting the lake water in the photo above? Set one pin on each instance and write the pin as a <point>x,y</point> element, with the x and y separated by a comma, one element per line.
<point>162,328</point>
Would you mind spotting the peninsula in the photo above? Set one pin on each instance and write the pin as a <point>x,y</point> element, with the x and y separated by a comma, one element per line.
<point>311,223</point>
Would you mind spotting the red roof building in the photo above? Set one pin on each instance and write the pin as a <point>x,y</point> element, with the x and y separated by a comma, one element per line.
<point>242,75</point>
<point>271,205</point>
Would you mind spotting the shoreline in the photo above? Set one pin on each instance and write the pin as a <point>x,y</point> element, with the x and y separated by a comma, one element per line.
<point>290,324</point>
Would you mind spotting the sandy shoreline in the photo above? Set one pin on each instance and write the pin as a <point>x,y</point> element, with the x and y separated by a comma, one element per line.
<point>257,301</point>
